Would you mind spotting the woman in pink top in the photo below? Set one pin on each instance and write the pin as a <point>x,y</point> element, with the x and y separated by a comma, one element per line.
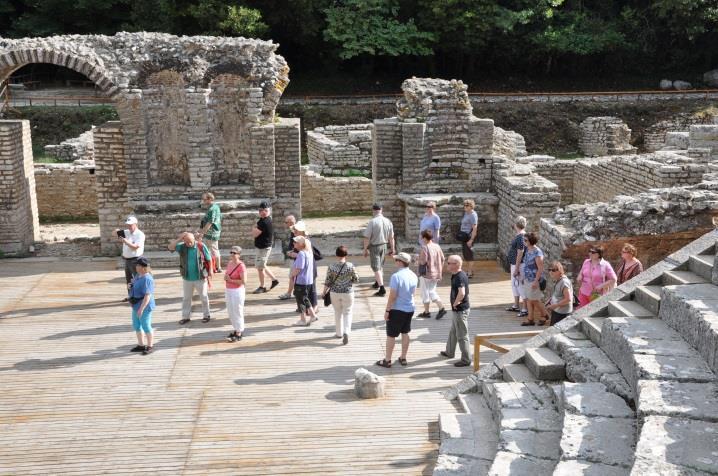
<point>431,265</point>
<point>234,291</point>
<point>596,277</point>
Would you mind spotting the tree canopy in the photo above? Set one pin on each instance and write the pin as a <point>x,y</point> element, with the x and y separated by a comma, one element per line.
<point>452,37</point>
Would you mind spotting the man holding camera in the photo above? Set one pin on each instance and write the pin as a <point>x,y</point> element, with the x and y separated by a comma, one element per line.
<point>133,246</point>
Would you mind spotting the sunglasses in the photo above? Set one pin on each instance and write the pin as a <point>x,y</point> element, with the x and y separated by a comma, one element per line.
<point>593,251</point>
<point>233,253</point>
<point>553,269</point>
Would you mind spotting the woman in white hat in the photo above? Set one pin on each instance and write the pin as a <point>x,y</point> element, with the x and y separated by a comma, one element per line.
<point>234,292</point>
<point>298,229</point>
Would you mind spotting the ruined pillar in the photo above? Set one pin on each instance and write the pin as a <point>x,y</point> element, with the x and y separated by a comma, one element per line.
<point>19,225</point>
<point>386,169</point>
<point>287,168</point>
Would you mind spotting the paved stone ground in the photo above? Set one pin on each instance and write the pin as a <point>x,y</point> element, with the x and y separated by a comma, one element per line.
<point>75,401</point>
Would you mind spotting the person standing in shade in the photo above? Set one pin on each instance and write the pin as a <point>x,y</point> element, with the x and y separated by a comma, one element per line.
<point>469,228</point>
<point>263,234</point>
<point>211,228</point>
<point>533,267</point>
<point>430,221</point>
<point>341,276</point>
<point>142,301</point>
<point>459,333</point>
<point>196,273</point>
<point>399,309</point>
<point>303,276</point>
<point>431,266</point>
<point>515,257</point>
<point>630,267</point>
<point>561,301</point>
<point>378,234</point>
<point>133,246</point>
<point>234,293</point>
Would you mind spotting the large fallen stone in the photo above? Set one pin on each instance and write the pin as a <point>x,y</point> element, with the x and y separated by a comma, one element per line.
<point>598,439</point>
<point>367,384</point>
<point>545,364</point>
<point>587,364</point>
<point>676,446</point>
<point>591,400</point>
<point>586,468</point>
<point>512,464</point>
<point>698,401</point>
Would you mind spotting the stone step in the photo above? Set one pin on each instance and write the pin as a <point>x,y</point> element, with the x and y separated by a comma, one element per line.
<point>545,364</point>
<point>518,373</point>
<point>598,426</point>
<point>586,468</point>
<point>693,312</point>
<point>702,265</point>
<point>672,278</point>
<point>649,297</point>
<point>628,309</point>
<point>669,445</point>
<point>695,401</point>
<point>591,326</point>
<point>512,464</point>
<point>649,349</point>
<point>473,403</point>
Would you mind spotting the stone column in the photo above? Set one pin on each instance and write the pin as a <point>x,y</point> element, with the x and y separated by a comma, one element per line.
<point>111,180</point>
<point>287,166</point>
<point>129,108</point>
<point>19,226</point>
<point>261,158</point>
<point>200,152</point>
<point>387,170</point>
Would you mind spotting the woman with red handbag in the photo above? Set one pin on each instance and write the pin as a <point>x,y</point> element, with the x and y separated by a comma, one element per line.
<point>234,293</point>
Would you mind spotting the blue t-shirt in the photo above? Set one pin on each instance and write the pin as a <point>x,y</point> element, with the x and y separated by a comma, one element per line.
<point>432,223</point>
<point>529,264</point>
<point>404,282</point>
<point>142,285</point>
<point>468,221</point>
<point>305,263</point>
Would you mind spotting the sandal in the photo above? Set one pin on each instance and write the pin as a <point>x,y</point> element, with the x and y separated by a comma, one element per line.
<point>542,322</point>
<point>513,309</point>
<point>528,323</point>
<point>206,319</point>
<point>383,363</point>
<point>184,321</point>
<point>402,361</point>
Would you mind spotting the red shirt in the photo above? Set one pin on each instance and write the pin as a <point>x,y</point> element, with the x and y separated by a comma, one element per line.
<point>235,271</point>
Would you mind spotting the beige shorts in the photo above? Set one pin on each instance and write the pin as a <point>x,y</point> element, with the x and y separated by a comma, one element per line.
<point>530,293</point>
<point>213,246</point>
<point>262,257</point>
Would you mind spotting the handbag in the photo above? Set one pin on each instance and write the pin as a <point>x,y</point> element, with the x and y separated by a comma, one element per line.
<point>423,269</point>
<point>328,294</point>
<point>462,236</point>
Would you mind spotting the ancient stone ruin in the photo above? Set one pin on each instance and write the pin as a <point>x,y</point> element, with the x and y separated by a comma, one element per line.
<point>196,113</point>
<point>340,150</point>
<point>605,136</point>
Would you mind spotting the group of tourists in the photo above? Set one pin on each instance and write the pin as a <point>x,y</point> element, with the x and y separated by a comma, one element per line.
<point>528,280</point>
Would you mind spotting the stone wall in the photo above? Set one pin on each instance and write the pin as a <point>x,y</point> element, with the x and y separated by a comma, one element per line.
<point>65,190</point>
<point>287,168</point>
<point>560,172</point>
<point>80,148</point>
<point>340,150</point>
<point>335,194</point>
<point>654,137</point>
<point>601,179</point>
<point>19,226</point>
<point>508,144</point>
<point>605,136</point>
<point>704,137</point>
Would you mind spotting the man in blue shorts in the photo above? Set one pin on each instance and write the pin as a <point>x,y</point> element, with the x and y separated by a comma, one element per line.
<point>399,308</point>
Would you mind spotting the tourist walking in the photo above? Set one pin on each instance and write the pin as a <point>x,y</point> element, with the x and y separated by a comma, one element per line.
<point>339,285</point>
<point>431,267</point>
<point>596,277</point>
<point>234,293</point>
<point>399,308</point>
<point>459,333</point>
<point>142,300</point>
<point>263,234</point>
<point>298,228</point>
<point>630,267</point>
<point>467,235</point>
<point>561,300</point>
<point>288,243</point>
<point>303,275</point>
<point>532,277</point>
<point>133,246</point>
<point>211,228</point>
<point>196,271</point>
<point>515,257</point>
<point>379,234</point>
<point>430,221</point>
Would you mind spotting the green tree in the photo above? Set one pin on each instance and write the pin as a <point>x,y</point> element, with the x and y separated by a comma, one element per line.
<point>243,21</point>
<point>374,28</point>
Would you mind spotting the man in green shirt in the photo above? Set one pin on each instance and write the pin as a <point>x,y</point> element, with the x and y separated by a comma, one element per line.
<point>195,276</point>
<point>211,228</point>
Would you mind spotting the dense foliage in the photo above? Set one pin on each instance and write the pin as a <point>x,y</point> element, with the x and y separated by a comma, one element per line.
<point>457,37</point>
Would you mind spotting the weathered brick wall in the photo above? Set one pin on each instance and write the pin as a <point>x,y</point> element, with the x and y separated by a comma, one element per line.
<point>601,179</point>
<point>339,150</point>
<point>387,169</point>
<point>19,226</point>
<point>65,190</point>
<point>560,172</point>
<point>704,137</point>
<point>287,168</point>
<point>111,184</point>
<point>654,138</point>
<point>335,194</point>
<point>605,136</point>
<point>77,148</point>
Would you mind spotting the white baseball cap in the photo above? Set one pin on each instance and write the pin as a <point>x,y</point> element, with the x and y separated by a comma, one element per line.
<point>131,220</point>
<point>300,226</point>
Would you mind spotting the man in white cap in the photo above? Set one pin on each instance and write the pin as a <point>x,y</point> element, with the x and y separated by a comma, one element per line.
<point>399,308</point>
<point>133,246</point>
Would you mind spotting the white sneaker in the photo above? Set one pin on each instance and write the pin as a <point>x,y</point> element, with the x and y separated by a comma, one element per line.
<point>301,322</point>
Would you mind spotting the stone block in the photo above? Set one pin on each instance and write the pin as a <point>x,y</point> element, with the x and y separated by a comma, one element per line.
<point>628,309</point>
<point>696,401</point>
<point>677,278</point>
<point>586,468</point>
<point>702,265</point>
<point>367,384</point>
<point>591,400</point>
<point>518,373</point>
<point>545,364</point>
<point>450,465</point>
<point>543,445</point>
<point>602,440</point>
<point>511,464</point>
<point>649,297</point>
<point>587,364</point>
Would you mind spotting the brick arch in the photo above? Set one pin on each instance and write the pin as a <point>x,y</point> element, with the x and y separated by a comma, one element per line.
<point>13,60</point>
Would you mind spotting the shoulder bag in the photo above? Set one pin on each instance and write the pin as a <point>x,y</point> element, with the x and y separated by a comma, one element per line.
<point>328,295</point>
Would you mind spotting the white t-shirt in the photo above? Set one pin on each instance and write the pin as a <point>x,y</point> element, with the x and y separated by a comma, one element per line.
<point>136,238</point>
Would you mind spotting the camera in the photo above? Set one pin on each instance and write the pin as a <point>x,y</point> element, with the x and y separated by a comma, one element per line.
<point>120,233</point>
